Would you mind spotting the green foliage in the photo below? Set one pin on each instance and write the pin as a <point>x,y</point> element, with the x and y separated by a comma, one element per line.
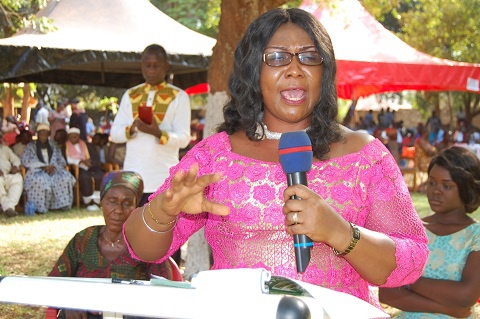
<point>17,14</point>
<point>200,15</point>
<point>293,4</point>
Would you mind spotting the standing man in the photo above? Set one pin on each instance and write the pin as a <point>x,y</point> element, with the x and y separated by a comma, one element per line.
<point>153,148</point>
<point>79,118</point>
<point>11,181</point>
<point>41,115</point>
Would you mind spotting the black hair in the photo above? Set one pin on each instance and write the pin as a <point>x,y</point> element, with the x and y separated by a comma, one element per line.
<point>243,110</point>
<point>157,50</point>
<point>464,168</point>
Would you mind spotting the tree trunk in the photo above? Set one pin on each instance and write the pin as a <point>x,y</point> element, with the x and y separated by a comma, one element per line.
<point>235,18</point>
<point>26,103</point>
<point>8,102</point>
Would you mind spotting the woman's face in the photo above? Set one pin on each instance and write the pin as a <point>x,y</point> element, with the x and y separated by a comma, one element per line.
<point>291,91</point>
<point>43,136</point>
<point>442,192</point>
<point>117,204</point>
<point>73,138</point>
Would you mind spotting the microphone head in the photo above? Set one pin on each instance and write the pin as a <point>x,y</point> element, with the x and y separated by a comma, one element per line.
<point>295,150</point>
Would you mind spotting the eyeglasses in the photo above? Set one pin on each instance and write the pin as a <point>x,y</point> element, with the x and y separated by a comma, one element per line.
<point>310,58</point>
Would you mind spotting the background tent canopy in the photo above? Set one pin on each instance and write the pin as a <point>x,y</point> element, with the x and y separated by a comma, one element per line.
<point>100,42</point>
<point>371,59</point>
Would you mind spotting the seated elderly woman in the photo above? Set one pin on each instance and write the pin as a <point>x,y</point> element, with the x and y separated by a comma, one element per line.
<point>47,183</point>
<point>100,251</point>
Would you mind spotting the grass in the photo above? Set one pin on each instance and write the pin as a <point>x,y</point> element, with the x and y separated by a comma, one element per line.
<point>30,245</point>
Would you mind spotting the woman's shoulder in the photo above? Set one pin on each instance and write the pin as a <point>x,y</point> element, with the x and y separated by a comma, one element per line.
<point>215,142</point>
<point>89,232</point>
<point>357,140</point>
<point>354,144</point>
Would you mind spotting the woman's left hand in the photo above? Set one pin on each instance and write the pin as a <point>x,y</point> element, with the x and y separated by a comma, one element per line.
<point>311,216</point>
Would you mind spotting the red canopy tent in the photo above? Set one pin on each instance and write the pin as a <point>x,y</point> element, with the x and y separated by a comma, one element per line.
<point>371,59</point>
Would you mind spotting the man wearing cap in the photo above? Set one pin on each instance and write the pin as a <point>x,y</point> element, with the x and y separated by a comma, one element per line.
<point>49,186</point>
<point>152,148</point>
<point>11,181</point>
<point>85,156</point>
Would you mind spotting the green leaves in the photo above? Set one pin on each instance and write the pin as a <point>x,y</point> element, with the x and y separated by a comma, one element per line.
<point>17,14</point>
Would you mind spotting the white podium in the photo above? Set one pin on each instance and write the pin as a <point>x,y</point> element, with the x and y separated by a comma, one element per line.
<point>236,293</point>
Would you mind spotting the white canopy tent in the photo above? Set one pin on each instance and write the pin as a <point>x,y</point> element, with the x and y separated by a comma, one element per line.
<point>98,42</point>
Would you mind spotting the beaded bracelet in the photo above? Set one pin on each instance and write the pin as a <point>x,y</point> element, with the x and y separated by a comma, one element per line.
<point>156,220</point>
<point>153,230</point>
<point>353,243</point>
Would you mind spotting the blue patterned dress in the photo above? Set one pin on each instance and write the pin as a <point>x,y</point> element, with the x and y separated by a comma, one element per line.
<point>47,191</point>
<point>448,255</point>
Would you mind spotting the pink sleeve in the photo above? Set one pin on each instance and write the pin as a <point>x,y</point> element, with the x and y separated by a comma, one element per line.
<point>392,213</point>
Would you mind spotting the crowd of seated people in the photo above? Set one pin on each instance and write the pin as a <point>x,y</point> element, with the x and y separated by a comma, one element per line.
<point>416,146</point>
<point>42,167</point>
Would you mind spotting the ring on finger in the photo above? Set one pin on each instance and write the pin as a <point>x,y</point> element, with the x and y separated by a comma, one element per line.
<point>295,218</point>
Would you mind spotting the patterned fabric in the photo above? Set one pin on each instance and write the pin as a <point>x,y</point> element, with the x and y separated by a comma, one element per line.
<point>47,191</point>
<point>366,188</point>
<point>153,165</point>
<point>81,258</point>
<point>163,97</point>
<point>448,255</point>
<point>130,180</point>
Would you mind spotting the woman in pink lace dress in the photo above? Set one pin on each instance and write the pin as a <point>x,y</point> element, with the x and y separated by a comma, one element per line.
<point>232,183</point>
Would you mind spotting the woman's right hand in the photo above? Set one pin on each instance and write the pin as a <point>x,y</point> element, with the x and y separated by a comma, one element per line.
<point>186,194</point>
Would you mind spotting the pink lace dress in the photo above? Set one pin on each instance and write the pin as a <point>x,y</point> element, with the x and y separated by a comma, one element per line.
<point>366,188</point>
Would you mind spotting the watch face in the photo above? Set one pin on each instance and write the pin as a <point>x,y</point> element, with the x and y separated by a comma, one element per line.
<point>356,233</point>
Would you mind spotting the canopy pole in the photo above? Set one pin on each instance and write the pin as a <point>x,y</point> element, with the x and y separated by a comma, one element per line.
<point>102,72</point>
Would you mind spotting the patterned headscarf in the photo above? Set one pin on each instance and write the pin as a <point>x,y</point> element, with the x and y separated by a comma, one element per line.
<point>130,180</point>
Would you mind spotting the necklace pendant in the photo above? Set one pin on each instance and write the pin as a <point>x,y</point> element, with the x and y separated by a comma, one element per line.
<point>266,134</point>
<point>112,244</point>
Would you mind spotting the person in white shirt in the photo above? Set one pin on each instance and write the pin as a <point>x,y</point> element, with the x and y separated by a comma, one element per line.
<point>153,148</point>
<point>11,181</point>
<point>41,117</point>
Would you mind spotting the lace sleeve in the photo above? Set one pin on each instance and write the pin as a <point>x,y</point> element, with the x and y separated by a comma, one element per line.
<point>187,225</point>
<point>392,213</point>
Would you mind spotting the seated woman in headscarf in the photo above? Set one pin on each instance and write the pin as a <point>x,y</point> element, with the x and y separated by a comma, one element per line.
<point>47,183</point>
<point>100,251</point>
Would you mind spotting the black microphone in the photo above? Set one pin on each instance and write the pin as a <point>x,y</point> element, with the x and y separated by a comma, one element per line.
<point>296,157</point>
